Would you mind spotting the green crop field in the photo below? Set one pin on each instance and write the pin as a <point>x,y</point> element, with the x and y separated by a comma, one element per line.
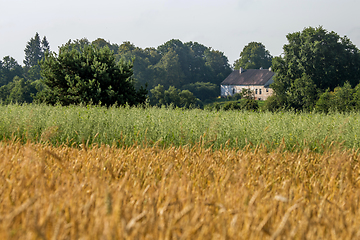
<point>125,126</point>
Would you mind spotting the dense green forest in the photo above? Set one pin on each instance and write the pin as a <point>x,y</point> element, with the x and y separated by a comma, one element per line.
<point>190,71</point>
<point>318,71</point>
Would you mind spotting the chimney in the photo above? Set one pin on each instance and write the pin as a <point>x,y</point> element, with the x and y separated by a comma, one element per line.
<point>241,70</point>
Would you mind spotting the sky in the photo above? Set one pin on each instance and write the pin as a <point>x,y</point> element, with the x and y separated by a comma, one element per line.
<point>224,25</point>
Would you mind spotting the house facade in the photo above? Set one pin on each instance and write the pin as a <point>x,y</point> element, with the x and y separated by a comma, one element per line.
<point>257,80</point>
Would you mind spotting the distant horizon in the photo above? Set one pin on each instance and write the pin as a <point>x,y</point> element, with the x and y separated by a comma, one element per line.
<point>20,62</point>
<point>111,42</point>
<point>227,26</point>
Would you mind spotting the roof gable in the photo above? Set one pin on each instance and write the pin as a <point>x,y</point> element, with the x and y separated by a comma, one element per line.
<point>249,77</point>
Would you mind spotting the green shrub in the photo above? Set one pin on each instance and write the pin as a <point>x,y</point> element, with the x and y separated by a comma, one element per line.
<point>342,99</point>
<point>233,105</point>
<point>272,104</point>
<point>249,104</point>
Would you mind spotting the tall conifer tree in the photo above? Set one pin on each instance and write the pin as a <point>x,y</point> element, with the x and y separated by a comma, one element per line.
<point>45,46</point>
<point>34,50</point>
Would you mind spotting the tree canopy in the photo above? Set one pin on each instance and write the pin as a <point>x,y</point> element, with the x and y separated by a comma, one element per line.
<point>9,68</point>
<point>253,56</point>
<point>315,63</point>
<point>314,60</point>
<point>175,63</point>
<point>19,90</point>
<point>100,42</point>
<point>88,76</point>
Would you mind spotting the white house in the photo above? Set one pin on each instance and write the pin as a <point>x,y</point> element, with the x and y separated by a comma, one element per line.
<point>257,80</point>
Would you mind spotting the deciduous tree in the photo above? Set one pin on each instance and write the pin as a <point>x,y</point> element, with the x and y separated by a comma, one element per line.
<point>168,71</point>
<point>100,43</point>
<point>18,91</point>
<point>218,65</point>
<point>253,56</point>
<point>314,60</point>
<point>9,69</point>
<point>144,62</point>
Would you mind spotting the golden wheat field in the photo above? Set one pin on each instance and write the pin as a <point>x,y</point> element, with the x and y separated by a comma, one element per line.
<point>177,193</point>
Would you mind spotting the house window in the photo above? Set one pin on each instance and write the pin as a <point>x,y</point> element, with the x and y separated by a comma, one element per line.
<point>233,91</point>
<point>260,91</point>
<point>255,91</point>
<point>267,90</point>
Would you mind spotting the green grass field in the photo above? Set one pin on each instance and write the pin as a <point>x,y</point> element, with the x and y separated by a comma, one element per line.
<point>75,125</point>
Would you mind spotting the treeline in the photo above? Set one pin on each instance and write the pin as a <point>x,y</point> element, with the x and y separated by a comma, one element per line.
<point>176,73</point>
<point>21,83</point>
<point>318,71</point>
<point>189,71</point>
<point>173,63</point>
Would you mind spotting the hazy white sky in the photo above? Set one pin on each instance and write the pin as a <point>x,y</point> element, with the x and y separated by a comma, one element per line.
<point>225,25</point>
